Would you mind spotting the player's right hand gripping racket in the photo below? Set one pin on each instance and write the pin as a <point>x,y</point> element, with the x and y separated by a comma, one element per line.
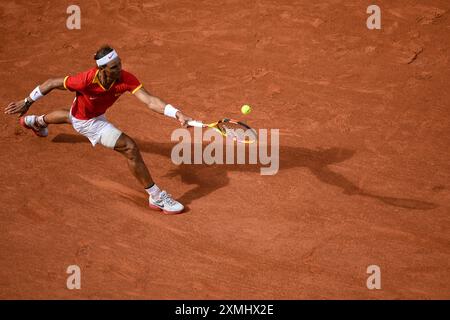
<point>237,130</point>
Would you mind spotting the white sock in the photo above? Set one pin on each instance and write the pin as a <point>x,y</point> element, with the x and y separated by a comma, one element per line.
<point>153,191</point>
<point>40,121</point>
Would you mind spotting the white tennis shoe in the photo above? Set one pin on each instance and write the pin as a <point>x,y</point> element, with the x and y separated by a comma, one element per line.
<point>29,122</point>
<point>166,204</point>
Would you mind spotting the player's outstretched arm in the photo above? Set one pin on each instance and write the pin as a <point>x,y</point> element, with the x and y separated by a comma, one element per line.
<point>159,106</point>
<point>21,107</point>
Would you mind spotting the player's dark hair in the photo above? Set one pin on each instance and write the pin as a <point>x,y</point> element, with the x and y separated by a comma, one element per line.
<point>103,51</point>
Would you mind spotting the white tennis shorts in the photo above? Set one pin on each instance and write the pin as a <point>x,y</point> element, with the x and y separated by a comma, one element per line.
<point>97,130</point>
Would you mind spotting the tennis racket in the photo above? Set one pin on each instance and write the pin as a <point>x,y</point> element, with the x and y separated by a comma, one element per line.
<point>237,130</point>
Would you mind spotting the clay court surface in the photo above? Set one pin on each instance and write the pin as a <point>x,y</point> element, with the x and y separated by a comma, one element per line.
<point>364,173</point>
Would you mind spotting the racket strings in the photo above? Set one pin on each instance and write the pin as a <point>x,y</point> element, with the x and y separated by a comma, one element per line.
<point>237,131</point>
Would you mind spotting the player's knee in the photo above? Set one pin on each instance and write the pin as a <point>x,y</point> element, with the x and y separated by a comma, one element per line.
<point>131,149</point>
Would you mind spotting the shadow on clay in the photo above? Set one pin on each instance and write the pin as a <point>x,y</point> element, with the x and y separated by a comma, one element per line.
<point>210,178</point>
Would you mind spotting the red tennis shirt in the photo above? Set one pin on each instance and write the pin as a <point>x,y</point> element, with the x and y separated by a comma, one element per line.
<point>92,99</point>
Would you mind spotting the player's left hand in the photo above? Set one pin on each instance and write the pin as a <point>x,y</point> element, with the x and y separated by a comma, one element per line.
<point>19,107</point>
<point>183,119</point>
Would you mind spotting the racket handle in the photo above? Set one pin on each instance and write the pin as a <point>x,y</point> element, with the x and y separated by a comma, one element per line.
<point>194,123</point>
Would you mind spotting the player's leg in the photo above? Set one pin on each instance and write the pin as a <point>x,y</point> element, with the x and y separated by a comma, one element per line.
<point>40,123</point>
<point>126,146</point>
<point>57,117</point>
<point>158,200</point>
<point>99,130</point>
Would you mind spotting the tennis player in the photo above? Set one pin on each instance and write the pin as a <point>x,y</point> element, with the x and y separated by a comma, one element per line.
<point>96,90</point>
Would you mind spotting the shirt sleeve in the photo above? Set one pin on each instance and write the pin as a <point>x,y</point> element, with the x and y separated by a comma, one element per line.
<point>77,82</point>
<point>133,84</point>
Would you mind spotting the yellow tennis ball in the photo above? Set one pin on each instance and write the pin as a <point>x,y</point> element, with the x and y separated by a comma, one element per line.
<point>246,109</point>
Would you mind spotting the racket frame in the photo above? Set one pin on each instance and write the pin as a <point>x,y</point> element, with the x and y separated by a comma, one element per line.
<point>214,125</point>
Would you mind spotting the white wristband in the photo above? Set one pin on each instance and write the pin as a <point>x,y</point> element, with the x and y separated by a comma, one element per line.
<point>36,94</point>
<point>170,111</point>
